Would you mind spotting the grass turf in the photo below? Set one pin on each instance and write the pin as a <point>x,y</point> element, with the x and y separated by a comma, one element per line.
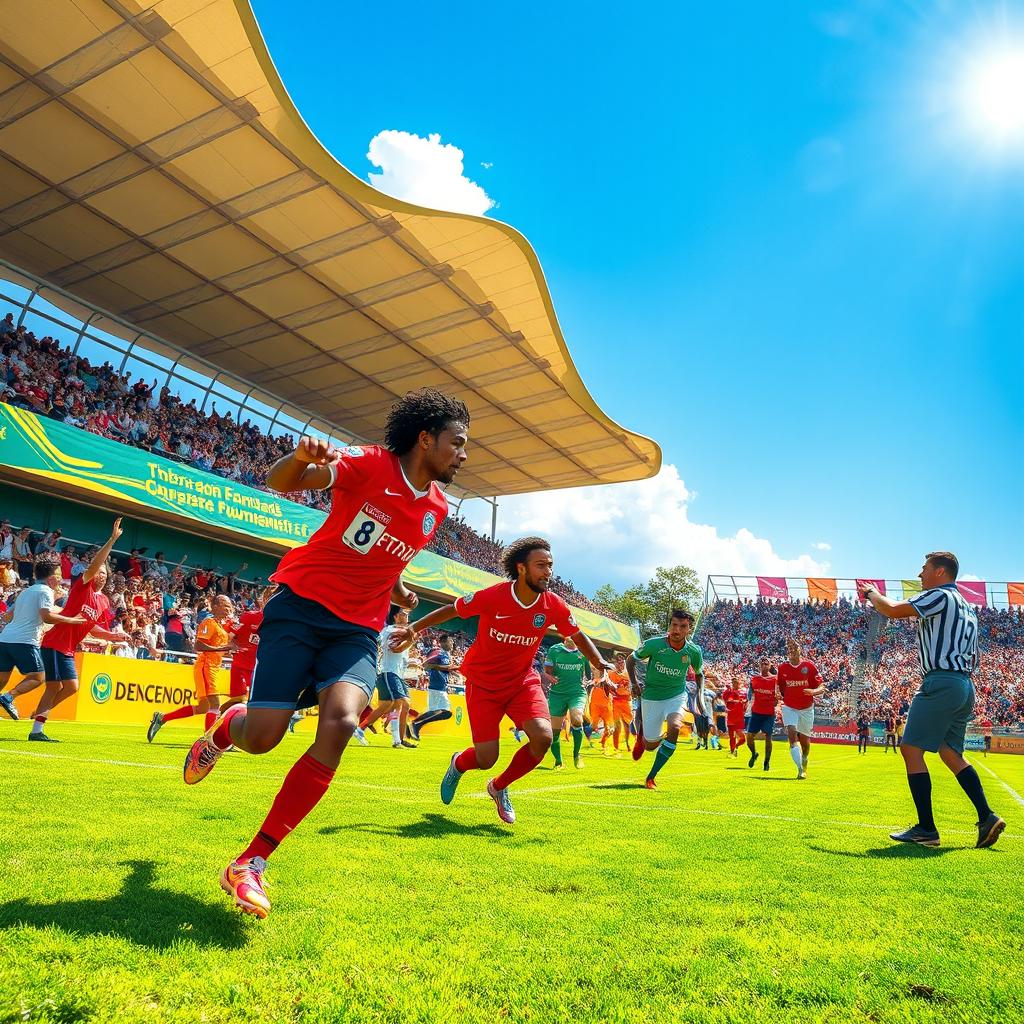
<point>726,895</point>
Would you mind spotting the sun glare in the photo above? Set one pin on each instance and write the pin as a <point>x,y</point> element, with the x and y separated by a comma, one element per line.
<point>993,97</point>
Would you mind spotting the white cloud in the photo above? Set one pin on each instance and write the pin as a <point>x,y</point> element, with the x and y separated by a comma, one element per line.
<point>821,545</point>
<point>620,533</point>
<point>485,165</point>
<point>426,172</point>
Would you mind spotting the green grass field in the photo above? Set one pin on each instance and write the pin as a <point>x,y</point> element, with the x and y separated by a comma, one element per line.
<point>727,895</point>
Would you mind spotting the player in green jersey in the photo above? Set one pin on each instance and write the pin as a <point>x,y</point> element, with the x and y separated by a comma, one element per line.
<point>668,658</point>
<point>565,669</point>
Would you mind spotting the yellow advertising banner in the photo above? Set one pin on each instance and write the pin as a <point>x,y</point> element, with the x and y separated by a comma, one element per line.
<point>910,587</point>
<point>125,690</point>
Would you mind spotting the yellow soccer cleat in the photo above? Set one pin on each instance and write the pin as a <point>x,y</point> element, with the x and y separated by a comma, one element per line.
<point>243,880</point>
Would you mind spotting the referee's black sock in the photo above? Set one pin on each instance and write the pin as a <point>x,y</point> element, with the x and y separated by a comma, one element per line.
<point>430,716</point>
<point>971,785</point>
<point>921,790</point>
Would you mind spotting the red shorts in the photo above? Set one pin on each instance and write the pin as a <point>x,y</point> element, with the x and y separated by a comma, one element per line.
<point>487,708</point>
<point>241,680</point>
<point>736,724</point>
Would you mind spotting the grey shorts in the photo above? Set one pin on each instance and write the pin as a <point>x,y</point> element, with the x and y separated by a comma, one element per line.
<point>940,711</point>
<point>437,700</point>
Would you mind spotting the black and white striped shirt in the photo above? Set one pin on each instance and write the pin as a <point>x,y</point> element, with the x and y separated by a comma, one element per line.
<point>947,630</point>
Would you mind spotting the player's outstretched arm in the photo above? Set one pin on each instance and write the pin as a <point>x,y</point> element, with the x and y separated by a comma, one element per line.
<point>887,606</point>
<point>591,653</point>
<point>404,597</point>
<point>403,637</point>
<point>101,556</point>
<point>306,469</point>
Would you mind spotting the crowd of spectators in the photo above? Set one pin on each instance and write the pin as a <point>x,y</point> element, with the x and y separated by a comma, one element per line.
<point>873,672</point>
<point>41,375</point>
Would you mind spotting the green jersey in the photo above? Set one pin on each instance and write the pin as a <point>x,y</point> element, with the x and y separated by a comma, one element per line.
<point>568,667</point>
<point>667,667</point>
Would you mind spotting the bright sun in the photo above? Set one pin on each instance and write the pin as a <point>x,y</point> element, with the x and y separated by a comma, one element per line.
<point>993,97</point>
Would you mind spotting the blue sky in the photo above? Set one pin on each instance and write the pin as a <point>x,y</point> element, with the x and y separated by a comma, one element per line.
<point>778,242</point>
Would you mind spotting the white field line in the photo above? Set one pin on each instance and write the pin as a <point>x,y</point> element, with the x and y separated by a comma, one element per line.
<point>1009,789</point>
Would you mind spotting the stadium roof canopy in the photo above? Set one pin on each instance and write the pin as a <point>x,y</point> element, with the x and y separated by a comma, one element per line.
<point>153,165</point>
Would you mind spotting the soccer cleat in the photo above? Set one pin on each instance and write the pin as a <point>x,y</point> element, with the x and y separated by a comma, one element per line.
<point>41,737</point>
<point>650,784</point>
<point>917,834</point>
<point>558,767</point>
<point>801,774</point>
<point>989,831</point>
<point>397,746</point>
<point>361,737</point>
<point>406,743</point>
<point>7,703</point>
<point>577,762</point>
<point>244,881</point>
<point>767,765</point>
<point>450,782</point>
<point>753,760</point>
<point>502,803</point>
<point>202,756</point>
<point>155,725</point>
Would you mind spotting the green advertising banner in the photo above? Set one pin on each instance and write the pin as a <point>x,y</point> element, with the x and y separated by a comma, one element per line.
<point>55,451</point>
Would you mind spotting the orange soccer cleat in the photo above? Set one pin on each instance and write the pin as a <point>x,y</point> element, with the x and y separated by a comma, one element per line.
<point>243,879</point>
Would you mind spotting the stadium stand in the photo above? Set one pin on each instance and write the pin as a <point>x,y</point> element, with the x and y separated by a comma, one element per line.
<point>869,666</point>
<point>39,374</point>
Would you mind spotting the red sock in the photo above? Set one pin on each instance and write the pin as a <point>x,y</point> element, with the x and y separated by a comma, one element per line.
<point>211,717</point>
<point>364,717</point>
<point>186,712</point>
<point>523,762</point>
<point>466,761</point>
<point>222,737</point>
<point>303,788</point>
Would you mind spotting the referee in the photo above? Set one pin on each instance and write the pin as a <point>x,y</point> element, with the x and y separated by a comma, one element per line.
<point>947,645</point>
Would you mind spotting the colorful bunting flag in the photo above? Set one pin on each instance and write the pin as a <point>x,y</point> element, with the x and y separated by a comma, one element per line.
<point>910,587</point>
<point>1015,593</point>
<point>822,590</point>
<point>772,586</point>
<point>973,591</point>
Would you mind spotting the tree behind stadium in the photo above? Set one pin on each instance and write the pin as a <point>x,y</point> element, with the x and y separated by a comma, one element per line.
<point>647,606</point>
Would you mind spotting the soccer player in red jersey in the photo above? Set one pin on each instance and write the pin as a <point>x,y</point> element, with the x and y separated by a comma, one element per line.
<point>501,678</point>
<point>764,702</point>
<point>800,683</point>
<point>735,699</point>
<point>245,640</point>
<point>85,599</point>
<point>318,639</point>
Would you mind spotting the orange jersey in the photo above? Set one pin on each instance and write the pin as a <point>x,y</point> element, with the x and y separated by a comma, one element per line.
<point>211,632</point>
<point>621,683</point>
<point>599,701</point>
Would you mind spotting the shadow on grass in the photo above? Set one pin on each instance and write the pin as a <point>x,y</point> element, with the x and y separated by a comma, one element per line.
<point>897,851</point>
<point>430,826</point>
<point>639,784</point>
<point>139,912</point>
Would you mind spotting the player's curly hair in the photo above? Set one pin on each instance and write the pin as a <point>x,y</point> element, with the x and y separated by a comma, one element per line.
<point>424,409</point>
<point>519,551</point>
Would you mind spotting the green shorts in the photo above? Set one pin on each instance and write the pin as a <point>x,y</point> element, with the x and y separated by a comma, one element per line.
<point>940,711</point>
<point>560,704</point>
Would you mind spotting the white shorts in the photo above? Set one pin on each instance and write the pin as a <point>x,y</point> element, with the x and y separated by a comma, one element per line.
<point>654,712</point>
<point>437,700</point>
<point>802,720</point>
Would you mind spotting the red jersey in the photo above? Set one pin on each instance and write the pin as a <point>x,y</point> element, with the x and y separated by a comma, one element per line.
<point>508,635</point>
<point>793,679</point>
<point>376,525</point>
<point>82,600</point>
<point>246,638</point>
<point>735,704</point>
<point>765,690</point>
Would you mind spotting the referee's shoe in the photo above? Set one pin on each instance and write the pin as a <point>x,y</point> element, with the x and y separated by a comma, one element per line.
<point>989,831</point>
<point>917,834</point>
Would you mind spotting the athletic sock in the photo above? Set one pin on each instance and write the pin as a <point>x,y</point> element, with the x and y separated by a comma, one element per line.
<point>466,761</point>
<point>183,712</point>
<point>921,790</point>
<point>615,739</point>
<point>303,788</point>
<point>798,758</point>
<point>364,716</point>
<point>523,762</point>
<point>37,724</point>
<point>556,747</point>
<point>431,716</point>
<point>396,736</point>
<point>665,751</point>
<point>577,740</point>
<point>211,717</point>
<point>970,783</point>
<point>221,737</point>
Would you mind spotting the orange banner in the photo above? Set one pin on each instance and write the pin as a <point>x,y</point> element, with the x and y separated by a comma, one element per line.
<point>822,590</point>
<point>1015,592</point>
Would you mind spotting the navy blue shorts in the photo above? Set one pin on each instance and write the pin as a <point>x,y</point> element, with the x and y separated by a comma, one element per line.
<point>58,666</point>
<point>761,723</point>
<point>391,687</point>
<point>24,657</point>
<point>304,648</point>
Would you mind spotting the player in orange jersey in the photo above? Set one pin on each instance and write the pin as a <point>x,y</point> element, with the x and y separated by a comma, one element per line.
<point>622,701</point>
<point>600,711</point>
<point>212,642</point>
